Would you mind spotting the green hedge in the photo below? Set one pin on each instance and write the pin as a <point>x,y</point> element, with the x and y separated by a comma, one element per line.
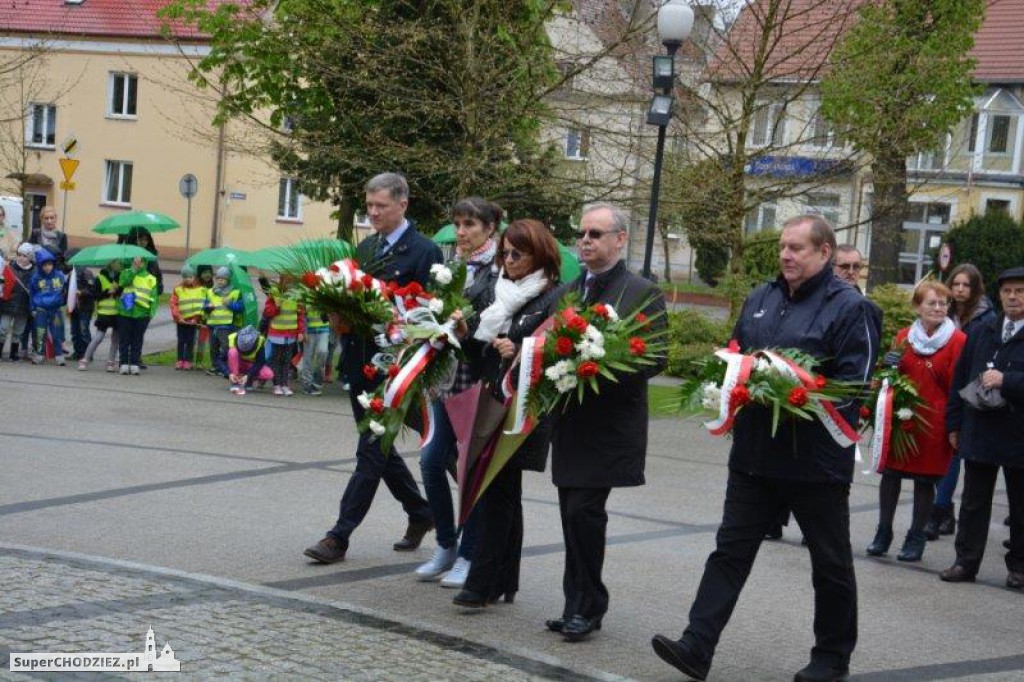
<point>761,256</point>
<point>993,242</point>
<point>692,335</point>
<point>897,312</point>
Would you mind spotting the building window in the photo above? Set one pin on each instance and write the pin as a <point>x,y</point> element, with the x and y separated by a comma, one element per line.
<point>577,143</point>
<point>767,125</point>
<point>761,218</point>
<point>997,206</point>
<point>288,205</point>
<point>123,95</point>
<point>825,205</point>
<point>999,134</point>
<point>42,125</point>
<point>972,134</point>
<point>117,185</point>
<point>821,134</point>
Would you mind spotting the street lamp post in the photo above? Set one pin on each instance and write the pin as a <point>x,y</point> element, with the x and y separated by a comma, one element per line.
<point>675,20</point>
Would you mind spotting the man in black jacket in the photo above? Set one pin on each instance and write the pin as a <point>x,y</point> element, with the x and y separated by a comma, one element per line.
<point>991,438</point>
<point>395,252</point>
<point>602,443</point>
<point>802,467</point>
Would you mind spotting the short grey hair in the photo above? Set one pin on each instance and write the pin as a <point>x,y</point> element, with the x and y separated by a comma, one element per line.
<point>822,231</point>
<point>848,248</point>
<point>393,183</point>
<point>620,219</point>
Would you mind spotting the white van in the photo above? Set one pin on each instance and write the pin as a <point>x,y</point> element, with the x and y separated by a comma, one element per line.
<point>13,209</point>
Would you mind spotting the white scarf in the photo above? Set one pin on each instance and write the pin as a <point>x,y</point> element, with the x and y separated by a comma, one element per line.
<point>930,345</point>
<point>509,297</point>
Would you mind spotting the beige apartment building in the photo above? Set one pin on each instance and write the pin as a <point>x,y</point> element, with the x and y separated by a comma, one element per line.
<point>93,82</point>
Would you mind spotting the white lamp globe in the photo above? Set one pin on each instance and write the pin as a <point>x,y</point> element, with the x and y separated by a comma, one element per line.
<point>675,21</point>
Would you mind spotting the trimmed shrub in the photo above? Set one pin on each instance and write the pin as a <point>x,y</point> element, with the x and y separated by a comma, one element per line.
<point>897,312</point>
<point>992,242</point>
<point>711,261</point>
<point>692,335</point>
<point>761,256</point>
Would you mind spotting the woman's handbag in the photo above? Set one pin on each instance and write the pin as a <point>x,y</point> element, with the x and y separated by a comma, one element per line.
<point>981,398</point>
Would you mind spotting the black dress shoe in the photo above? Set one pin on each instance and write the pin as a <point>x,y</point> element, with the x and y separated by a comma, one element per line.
<point>328,551</point>
<point>774,533</point>
<point>578,628</point>
<point>555,624</point>
<point>823,671</point>
<point>413,536</point>
<point>677,655</point>
<point>470,599</point>
<point>957,573</point>
<point>1015,580</point>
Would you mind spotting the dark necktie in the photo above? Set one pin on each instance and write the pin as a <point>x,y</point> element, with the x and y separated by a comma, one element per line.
<point>1008,331</point>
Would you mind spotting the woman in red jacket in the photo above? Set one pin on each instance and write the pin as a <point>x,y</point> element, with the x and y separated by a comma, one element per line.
<point>927,351</point>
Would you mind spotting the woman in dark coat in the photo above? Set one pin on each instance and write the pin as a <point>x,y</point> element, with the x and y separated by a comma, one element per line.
<point>991,438</point>
<point>523,293</point>
<point>476,223</point>
<point>931,347</point>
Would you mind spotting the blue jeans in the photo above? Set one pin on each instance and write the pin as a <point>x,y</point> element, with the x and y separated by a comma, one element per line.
<point>434,461</point>
<point>219,347</point>
<point>80,334</point>
<point>51,321</point>
<point>947,486</point>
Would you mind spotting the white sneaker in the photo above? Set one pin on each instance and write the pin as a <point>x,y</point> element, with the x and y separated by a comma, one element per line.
<point>456,577</point>
<point>83,365</point>
<point>134,369</point>
<point>441,562</point>
<point>60,361</point>
<point>123,369</point>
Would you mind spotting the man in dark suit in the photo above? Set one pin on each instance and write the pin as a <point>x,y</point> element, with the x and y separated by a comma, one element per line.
<point>395,252</point>
<point>602,443</point>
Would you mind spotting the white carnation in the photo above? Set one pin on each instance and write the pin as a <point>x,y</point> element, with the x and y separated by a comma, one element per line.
<point>711,396</point>
<point>566,383</point>
<point>436,306</point>
<point>593,335</point>
<point>552,373</point>
<point>325,275</point>
<point>904,414</point>
<point>612,315</point>
<point>377,428</point>
<point>441,274</point>
<point>589,350</point>
<point>364,400</point>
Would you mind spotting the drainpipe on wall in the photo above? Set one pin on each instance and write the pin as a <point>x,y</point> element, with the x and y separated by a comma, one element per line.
<point>218,190</point>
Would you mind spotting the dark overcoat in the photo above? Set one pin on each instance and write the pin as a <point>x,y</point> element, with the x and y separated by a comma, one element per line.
<point>602,443</point>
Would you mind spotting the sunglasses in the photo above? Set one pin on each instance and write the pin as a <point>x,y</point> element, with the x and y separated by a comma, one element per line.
<point>592,234</point>
<point>850,267</point>
<point>511,254</point>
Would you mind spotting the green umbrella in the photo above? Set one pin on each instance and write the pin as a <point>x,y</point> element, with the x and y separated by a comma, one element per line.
<point>123,223</point>
<point>224,255</point>
<point>570,264</point>
<point>104,253</point>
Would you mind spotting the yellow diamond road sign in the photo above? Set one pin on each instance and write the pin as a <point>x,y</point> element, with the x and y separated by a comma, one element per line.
<point>68,166</point>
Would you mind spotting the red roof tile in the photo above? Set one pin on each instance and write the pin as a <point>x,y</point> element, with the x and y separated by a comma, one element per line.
<point>999,44</point>
<point>109,18</point>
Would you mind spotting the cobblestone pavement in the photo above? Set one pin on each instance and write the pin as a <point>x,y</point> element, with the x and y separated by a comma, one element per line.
<point>72,604</point>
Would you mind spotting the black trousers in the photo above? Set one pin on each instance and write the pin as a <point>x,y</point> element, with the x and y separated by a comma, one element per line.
<point>976,512</point>
<point>584,525</point>
<point>494,570</point>
<point>752,505</point>
<point>372,466</point>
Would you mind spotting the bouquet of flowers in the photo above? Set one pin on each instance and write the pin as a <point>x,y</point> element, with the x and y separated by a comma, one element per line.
<point>419,356</point>
<point>896,416</point>
<point>781,379</point>
<point>573,350</point>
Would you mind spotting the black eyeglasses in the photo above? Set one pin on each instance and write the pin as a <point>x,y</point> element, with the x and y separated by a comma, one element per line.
<point>850,267</point>
<point>592,234</point>
<point>511,254</point>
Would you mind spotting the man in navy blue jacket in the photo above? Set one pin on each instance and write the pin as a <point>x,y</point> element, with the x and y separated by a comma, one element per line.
<point>395,252</point>
<point>802,467</point>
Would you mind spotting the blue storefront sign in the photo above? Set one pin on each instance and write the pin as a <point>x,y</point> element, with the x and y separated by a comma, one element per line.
<point>796,166</point>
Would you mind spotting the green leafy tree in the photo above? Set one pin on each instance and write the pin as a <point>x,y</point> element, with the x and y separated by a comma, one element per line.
<point>899,81</point>
<point>992,242</point>
<point>447,92</point>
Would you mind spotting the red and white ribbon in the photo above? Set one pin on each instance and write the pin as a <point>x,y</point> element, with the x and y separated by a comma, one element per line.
<point>882,437</point>
<point>399,385</point>
<point>531,366</point>
<point>737,372</point>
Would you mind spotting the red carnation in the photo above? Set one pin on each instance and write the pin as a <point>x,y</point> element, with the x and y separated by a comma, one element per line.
<point>370,372</point>
<point>310,280</point>
<point>578,324</point>
<point>637,346</point>
<point>601,310</point>
<point>393,371</point>
<point>865,413</point>
<point>356,286</point>
<point>820,381</point>
<point>642,319</point>
<point>568,314</point>
<point>411,303</point>
<point>563,345</point>
<point>377,405</point>
<point>587,369</point>
<point>334,268</point>
<point>798,397</point>
<point>733,346</point>
<point>392,288</point>
<point>367,281</point>
<point>415,288</point>
<point>907,426</point>
<point>740,396</point>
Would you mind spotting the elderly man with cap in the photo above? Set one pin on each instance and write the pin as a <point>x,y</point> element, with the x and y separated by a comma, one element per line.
<point>990,435</point>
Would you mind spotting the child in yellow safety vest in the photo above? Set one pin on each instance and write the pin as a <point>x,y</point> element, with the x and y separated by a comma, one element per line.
<point>187,303</point>
<point>135,308</point>
<point>108,291</point>
<point>247,359</point>
<point>286,329</point>
<point>223,312</point>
